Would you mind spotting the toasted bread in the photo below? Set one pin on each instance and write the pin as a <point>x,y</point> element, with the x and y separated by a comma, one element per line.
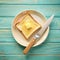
<point>28,26</point>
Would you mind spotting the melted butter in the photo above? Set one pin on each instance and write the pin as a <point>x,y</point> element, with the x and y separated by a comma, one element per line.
<point>28,25</point>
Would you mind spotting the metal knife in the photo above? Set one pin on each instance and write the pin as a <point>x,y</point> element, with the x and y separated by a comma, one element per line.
<point>38,35</point>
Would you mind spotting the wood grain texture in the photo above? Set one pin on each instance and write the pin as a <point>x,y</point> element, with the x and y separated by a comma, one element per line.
<point>5,25</point>
<point>29,57</point>
<point>15,49</point>
<point>13,10</point>
<point>9,49</point>
<point>6,36</point>
<point>30,1</point>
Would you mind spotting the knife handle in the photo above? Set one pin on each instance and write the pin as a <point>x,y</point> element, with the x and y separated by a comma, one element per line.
<point>26,50</point>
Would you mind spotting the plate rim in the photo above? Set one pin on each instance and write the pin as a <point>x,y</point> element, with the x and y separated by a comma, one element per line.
<point>43,39</point>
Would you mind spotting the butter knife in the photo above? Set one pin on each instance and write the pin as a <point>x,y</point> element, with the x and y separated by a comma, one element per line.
<point>38,35</point>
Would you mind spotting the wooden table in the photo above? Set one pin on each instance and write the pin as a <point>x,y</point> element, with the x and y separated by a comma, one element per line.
<point>9,49</point>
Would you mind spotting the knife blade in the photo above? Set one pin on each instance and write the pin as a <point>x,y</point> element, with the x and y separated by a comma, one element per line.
<point>38,35</point>
<point>44,27</point>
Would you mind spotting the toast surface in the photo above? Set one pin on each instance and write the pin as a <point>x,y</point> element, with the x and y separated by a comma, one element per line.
<point>28,26</point>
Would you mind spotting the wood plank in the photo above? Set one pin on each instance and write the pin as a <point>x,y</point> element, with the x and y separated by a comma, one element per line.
<point>13,57</point>
<point>10,49</point>
<point>6,36</point>
<point>13,10</point>
<point>29,57</point>
<point>4,22</point>
<point>44,49</point>
<point>55,23</point>
<point>44,58</point>
<point>30,1</point>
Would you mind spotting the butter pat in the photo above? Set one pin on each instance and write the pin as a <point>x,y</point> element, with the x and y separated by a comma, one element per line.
<point>28,24</point>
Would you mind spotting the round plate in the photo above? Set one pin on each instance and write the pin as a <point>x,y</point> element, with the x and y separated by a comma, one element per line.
<point>19,37</point>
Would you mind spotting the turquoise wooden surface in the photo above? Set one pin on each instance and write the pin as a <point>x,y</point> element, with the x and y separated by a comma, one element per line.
<point>6,36</point>
<point>13,10</point>
<point>30,1</point>
<point>9,49</point>
<point>4,22</point>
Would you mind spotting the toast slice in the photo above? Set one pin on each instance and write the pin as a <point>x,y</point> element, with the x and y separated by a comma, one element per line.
<point>27,26</point>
